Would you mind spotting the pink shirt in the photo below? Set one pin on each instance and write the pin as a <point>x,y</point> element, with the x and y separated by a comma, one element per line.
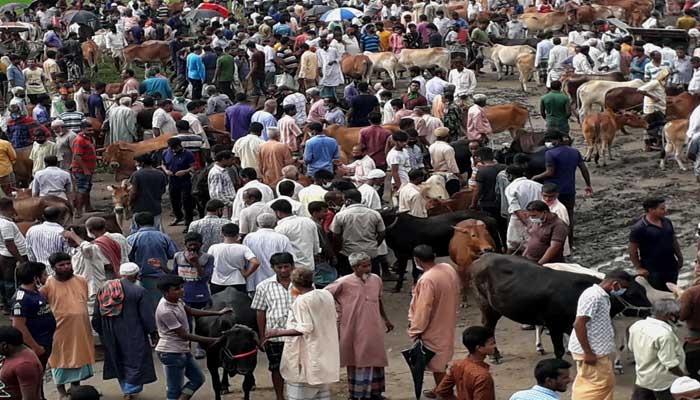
<point>317,111</point>
<point>289,130</point>
<point>396,43</point>
<point>477,123</point>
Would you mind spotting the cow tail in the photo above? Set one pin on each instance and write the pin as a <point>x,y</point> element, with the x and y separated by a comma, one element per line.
<point>662,154</point>
<point>597,142</point>
<point>578,105</point>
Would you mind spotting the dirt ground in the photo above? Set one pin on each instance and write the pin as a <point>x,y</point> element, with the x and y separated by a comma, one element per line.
<point>602,230</point>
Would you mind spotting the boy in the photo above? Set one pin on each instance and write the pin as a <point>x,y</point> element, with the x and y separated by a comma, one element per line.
<point>471,375</point>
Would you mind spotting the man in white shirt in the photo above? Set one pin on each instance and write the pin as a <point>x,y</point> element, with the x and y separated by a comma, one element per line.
<point>442,157</point>
<point>542,54</point>
<point>519,193</point>
<point>550,195</point>
<point>116,42</point>
<point>580,62</point>
<point>516,29</point>
<point>577,37</point>
<point>285,191</point>
<point>611,59</point>
<point>694,84</point>
<point>233,262</point>
<point>435,86</point>
<point>254,207</point>
<point>51,181</point>
<point>399,161</point>
<point>411,199</point>
<point>315,191</point>
<point>250,178</point>
<point>361,166</point>
<point>264,243</point>
<point>301,232</point>
<point>368,190</point>
<point>194,108</point>
<point>248,147</point>
<point>463,79</point>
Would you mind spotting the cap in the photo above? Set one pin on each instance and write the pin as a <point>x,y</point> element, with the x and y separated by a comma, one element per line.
<point>129,269</point>
<point>441,132</point>
<point>479,97</point>
<point>57,123</point>
<point>684,384</point>
<point>376,174</point>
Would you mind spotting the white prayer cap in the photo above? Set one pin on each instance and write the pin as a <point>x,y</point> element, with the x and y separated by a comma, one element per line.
<point>129,269</point>
<point>356,258</point>
<point>58,123</point>
<point>479,97</point>
<point>684,384</point>
<point>376,174</point>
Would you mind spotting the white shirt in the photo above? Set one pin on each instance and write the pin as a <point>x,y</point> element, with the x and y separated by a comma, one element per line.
<point>694,84</point>
<point>557,54</point>
<point>581,64</point>
<point>464,81</point>
<point>543,49</point>
<point>370,197</point>
<point>164,121</point>
<point>270,56</point>
<point>45,239</point>
<point>296,206</point>
<point>303,236</point>
<point>656,349</point>
<point>403,160</point>
<point>196,128</point>
<point>10,231</point>
<point>577,38</point>
<point>594,303</point>
<point>360,169</point>
<point>248,217</point>
<point>299,101</point>
<point>411,200</point>
<point>435,86</point>
<point>264,243</point>
<point>521,192</point>
<point>247,149</point>
<point>308,194</point>
<point>297,188</point>
<point>229,260</point>
<point>51,181</point>
<point>612,61</point>
<point>651,22</point>
<point>693,123</point>
<point>473,9</point>
<point>238,203</point>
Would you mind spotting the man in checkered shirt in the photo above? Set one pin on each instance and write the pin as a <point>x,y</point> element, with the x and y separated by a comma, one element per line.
<point>592,341</point>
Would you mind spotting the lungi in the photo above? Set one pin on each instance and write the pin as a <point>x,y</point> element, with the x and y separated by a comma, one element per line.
<point>303,391</point>
<point>366,383</point>
<point>593,382</point>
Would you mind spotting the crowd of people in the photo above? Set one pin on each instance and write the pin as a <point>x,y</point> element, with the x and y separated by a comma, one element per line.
<point>273,206</point>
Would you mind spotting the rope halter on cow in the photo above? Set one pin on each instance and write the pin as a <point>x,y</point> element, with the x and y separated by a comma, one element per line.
<point>629,306</point>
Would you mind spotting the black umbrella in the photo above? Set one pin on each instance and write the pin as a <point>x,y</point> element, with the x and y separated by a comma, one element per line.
<point>11,7</point>
<point>202,13</point>
<point>417,358</point>
<point>48,3</point>
<point>81,17</point>
<point>318,10</point>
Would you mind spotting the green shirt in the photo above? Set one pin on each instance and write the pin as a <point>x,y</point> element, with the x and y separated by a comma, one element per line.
<point>226,67</point>
<point>479,36</point>
<point>555,105</point>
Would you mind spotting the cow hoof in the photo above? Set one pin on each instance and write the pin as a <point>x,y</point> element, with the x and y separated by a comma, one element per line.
<point>540,351</point>
<point>684,169</point>
<point>619,370</point>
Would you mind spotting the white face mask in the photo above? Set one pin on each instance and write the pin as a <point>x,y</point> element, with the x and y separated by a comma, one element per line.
<point>548,145</point>
<point>418,266</point>
<point>536,221</point>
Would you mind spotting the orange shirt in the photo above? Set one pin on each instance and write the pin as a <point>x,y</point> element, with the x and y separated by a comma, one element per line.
<point>472,379</point>
<point>384,40</point>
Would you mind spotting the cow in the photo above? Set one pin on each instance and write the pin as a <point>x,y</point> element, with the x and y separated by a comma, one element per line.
<point>507,117</point>
<point>457,202</point>
<point>385,61</point>
<point>434,188</point>
<point>100,39</point>
<point>504,287</point>
<point>549,22</point>
<point>593,93</point>
<point>356,67</point>
<point>30,209</point>
<point>148,52</point>
<point>470,240</point>
<point>23,168</point>
<point>91,52</point>
<point>237,352</point>
<point>425,58</point>
<point>571,82</point>
<point>626,98</point>
<point>681,106</point>
<point>599,131</point>
<point>585,14</point>
<point>525,63</point>
<point>120,200</point>
<point>404,232</point>
<point>675,138</point>
<point>120,155</point>
<point>348,137</point>
<point>112,89</point>
<point>501,55</point>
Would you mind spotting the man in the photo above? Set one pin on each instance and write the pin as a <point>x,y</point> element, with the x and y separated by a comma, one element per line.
<point>546,234</point>
<point>611,59</point>
<point>518,194</point>
<point>321,151</point>
<point>363,323</point>
<point>238,117</point>
<point>544,46</point>
<point>682,69</point>
<point>694,84</point>
<point>290,173</point>
<point>254,206</point>
<point>233,262</point>
<point>46,238</point>
<point>374,138</point>
<point>247,148</point>
<point>272,302</point>
<point>266,117</point>
<point>561,163</point>
<point>250,179</point>
<point>552,376</point>
<point>22,373</point>
<point>195,109</point>
<point>196,73</point>
<point>13,250</point>
<point>95,102</point>
<point>125,331</point>
<point>217,102</point>
<point>484,196</point>
<point>73,350</point>
<point>362,105</point>
<point>550,196</point>
<point>370,189</point>
<point>591,342</point>
<point>122,122</point>
<point>654,107</point>
<point>555,108</point>
<point>178,165</point>
<point>146,191</point>
<point>654,249</point>
<point>298,100</point>
<point>155,86</point>
<point>224,75</point>
<point>478,125</point>
<point>40,148</point>
<point>219,181</point>
<point>316,191</point>
<point>115,42</point>
<point>163,122</point>
<point>8,157</point>
<point>311,360</point>
<point>462,78</point>
<point>210,225</point>
<point>658,352</point>
<point>442,157</point>
<point>331,74</point>
<point>308,67</point>
<point>273,157</point>
<point>301,231</point>
<point>411,199</point>
<point>285,191</point>
<point>290,132</point>
<point>361,165</point>
<point>398,161</point>
<point>413,98</point>
<point>581,62</point>
<point>265,242</point>
<point>149,243</point>
<point>432,314</point>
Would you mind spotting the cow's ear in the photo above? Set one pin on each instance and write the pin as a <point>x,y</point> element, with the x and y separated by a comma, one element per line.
<point>110,188</point>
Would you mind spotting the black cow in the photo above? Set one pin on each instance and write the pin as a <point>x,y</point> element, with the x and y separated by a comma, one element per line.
<point>404,232</point>
<point>527,293</point>
<point>237,352</point>
<point>528,143</point>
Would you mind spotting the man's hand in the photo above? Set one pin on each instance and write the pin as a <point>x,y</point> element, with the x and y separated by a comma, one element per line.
<point>168,172</point>
<point>182,173</point>
<point>588,191</point>
<point>39,351</point>
<point>225,310</point>
<point>389,325</point>
<point>212,341</point>
<point>589,358</point>
<point>643,272</point>
<point>395,187</point>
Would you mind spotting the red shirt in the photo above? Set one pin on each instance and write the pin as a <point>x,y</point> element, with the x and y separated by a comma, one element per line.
<point>410,104</point>
<point>374,138</point>
<point>84,146</point>
<point>23,370</point>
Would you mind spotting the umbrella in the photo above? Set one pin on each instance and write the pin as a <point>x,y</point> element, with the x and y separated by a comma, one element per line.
<point>339,14</point>
<point>318,10</point>
<point>11,7</point>
<point>417,358</point>
<point>48,3</point>
<point>81,17</point>
<point>15,26</point>
<point>216,7</point>
<point>202,13</point>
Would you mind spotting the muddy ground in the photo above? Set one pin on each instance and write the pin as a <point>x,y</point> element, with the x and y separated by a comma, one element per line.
<point>602,231</point>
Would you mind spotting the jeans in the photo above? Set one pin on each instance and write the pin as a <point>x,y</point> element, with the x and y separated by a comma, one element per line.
<point>196,88</point>
<point>177,367</point>
<point>181,196</point>
<point>226,88</point>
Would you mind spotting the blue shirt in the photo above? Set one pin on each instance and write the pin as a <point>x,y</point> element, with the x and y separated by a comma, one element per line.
<point>536,393</point>
<point>370,43</point>
<point>237,119</point>
<point>95,105</point>
<point>52,40</point>
<point>319,153</point>
<point>228,34</point>
<point>565,160</point>
<point>196,286</point>
<point>282,29</point>
<point>137,33</point>
<point>195,67</point>
<point>34,307</point>
<point>637,68</point>
<point>152,86</point>
<point>149,242</point>
<point>15,76</point>
<point>178,162</point>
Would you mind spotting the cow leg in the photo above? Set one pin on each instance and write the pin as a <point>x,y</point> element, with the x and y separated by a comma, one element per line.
<point>401,264</point>
<point>489,318</point>
<point>605,147</point>
<point>497,63</point>
<point>248,384</point>
<point>557,335</point>
<point>213,367</point>
<point>678,156</point>
<point>538,339</point>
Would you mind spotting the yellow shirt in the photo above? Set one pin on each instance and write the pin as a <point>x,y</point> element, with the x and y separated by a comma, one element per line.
<point>626,48</point>
<point>7,157</point>
<point>384,40</point>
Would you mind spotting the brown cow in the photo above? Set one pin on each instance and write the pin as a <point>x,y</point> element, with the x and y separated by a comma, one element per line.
<point>507,117</point>
<point>91,54</point>
<point>470,240</point>
<point>29,209</point>
<point>677,107</point>
<point>681,106</point>
<point>147,52</point>
<point>23,168</point>
<point>571,82</point>
<point>111,223</point>
<point>120,155</point>
<point>357,67</point>
<point>216,126</point>
<point>675,134</point>
<point>457,202</point>
<point>114,88</point>
<point>348,137</point>
<point>599,130</point>
<point>120,200</point>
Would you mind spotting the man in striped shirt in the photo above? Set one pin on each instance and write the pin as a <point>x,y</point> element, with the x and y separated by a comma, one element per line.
<point>370,40</point>
<point>47,238</point>
<point>71,118</point>
<point>83,167</point>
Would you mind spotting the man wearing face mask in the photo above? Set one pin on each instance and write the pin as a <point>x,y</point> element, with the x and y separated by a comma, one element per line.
<point>361,165</point>
<point>40,149</point>
<point>547,234</point>
<point>370,189</point>
<point>658,352</point>
<point>592,339</point>
<point>550,196</point>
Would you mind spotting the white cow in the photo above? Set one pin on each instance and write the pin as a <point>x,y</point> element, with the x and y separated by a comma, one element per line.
<point>501,55</point>
<point>593,93</point>
<point>425,58</point>
<point>100,39</point>
<point>434,188</point>
<point>385,61</point>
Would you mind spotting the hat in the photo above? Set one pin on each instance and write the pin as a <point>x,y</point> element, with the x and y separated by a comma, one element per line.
<point>684,384</point>
<point>479,97</point>
<point>57,123</point>
<point>129,269</point>
<point>441,132</point>
<point>376,174</point>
